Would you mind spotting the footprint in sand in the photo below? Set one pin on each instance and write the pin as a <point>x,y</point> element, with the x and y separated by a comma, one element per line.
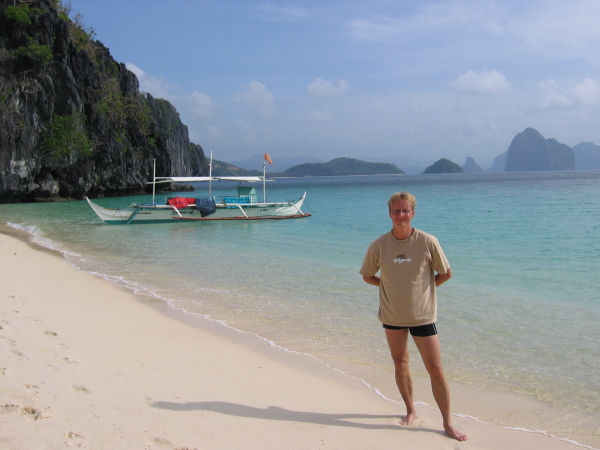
<point>10,342</point>
<point>161,441</point>
<point>82,389</point>
<point>9,408</point>
<point>50,333</point>
<point>31,412</point>
<point>73,439</point>
<point>53,368</point>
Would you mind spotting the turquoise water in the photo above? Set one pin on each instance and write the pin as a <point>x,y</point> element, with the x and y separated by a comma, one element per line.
<point>520,316</point>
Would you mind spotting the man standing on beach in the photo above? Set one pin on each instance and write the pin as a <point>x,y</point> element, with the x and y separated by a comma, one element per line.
<point>411,264</point>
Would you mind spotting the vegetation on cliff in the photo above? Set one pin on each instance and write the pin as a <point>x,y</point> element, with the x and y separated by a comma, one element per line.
<point>73,120</point>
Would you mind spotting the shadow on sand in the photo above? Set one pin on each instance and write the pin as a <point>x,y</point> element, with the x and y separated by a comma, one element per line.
<point>276,413</point>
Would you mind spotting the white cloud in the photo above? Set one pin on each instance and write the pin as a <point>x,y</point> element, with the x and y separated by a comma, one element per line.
<point>157,87</point>
<point>423,18</point>
<point>467,29</point>
<point>486,82</point>
<point>317,117</point>
<point>135,69</point>
<point>587,93</point>
<point>327,89</point>
<point>258,98</point>
<point>583,95</point>
<point>200,104</point>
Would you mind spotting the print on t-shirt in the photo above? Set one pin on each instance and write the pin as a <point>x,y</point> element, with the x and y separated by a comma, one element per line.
<point>402,259</point>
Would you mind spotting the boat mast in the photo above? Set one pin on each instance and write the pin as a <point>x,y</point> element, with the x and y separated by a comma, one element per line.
<point>264,181</point>
<point>210,175</point>
<point>154,182</point>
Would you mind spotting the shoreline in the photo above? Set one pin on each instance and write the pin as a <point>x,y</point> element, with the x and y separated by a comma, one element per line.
<point>89,363</point>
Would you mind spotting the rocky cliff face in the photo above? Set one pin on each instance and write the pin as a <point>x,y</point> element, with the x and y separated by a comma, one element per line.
<point>72,120</point>
<point>529,150</point>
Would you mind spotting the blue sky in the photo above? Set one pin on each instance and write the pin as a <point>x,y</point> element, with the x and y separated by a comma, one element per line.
<point>378,80</point>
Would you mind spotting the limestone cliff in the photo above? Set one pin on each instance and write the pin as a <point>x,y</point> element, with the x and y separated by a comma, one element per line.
<point>72,120</point>
<point>530,151</point>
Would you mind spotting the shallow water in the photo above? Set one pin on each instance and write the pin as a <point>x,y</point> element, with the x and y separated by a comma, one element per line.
<point>519,316</point>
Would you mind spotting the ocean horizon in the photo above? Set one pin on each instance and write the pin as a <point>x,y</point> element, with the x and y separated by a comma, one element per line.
<point>517,322</point>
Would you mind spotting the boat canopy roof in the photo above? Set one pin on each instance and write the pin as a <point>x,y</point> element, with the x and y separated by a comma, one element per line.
<point>198,179</point>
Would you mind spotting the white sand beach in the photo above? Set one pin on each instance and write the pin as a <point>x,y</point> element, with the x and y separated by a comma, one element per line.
<point>84,363</point>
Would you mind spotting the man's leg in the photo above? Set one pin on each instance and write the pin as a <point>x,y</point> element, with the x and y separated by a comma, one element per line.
<point>398,343</point>
<point>429,347</point>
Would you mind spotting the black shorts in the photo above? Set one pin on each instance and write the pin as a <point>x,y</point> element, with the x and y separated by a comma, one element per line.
<point>421,330</point>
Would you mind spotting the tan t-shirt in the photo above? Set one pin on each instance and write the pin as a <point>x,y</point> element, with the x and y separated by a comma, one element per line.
<point>407,295</point>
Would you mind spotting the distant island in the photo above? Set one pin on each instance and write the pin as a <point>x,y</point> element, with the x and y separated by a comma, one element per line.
<point>529,150</point>
<point>335,167</point>
<point>444,166</point>
<point>341,166</point>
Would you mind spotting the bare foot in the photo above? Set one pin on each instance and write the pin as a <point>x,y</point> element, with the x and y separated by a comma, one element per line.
<point>408,419</point>
<point>454,433</point>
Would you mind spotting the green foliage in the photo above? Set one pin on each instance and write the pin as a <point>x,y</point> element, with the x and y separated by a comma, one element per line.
<point>120,109</point>
<point>113,69</point>
<point>111,101</point>
<point>139,113</point>
<point>83,38</point>
<point>112,106</point>
<point>67,136</point>
<point>21,14</point>
<point>164,116</point>
<point>63,9</point>
<point>34,54</point>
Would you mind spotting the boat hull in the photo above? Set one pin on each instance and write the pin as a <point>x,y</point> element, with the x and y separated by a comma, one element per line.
<point>165,213</point>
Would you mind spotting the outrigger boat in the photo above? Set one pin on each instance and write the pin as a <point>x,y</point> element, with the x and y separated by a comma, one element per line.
<point>244,206</point>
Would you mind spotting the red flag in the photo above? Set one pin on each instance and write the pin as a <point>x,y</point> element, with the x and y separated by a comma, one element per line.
<point>268,158</point>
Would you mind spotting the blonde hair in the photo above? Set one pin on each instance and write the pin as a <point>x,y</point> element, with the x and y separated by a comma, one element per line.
<point>402,196</point>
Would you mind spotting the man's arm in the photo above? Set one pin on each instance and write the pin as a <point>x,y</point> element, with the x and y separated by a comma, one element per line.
<point>374,280</point>
<point>441,278</point>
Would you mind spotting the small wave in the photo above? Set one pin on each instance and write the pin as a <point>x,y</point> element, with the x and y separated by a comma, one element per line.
<point>525,430</point>
<point>37,237</point>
